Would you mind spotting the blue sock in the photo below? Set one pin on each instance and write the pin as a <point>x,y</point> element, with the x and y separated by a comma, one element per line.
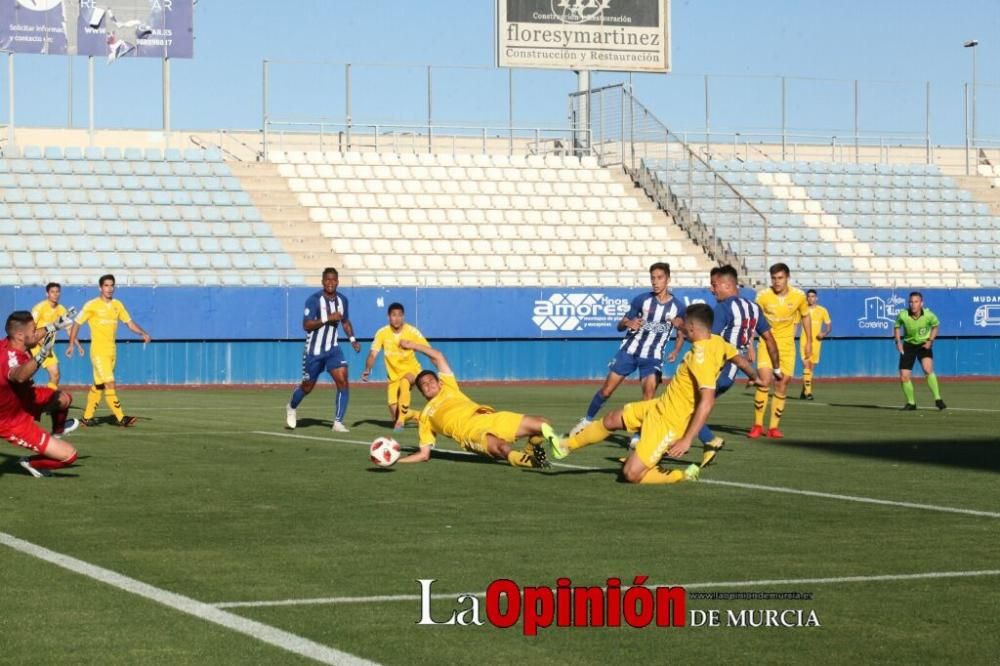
<point>705,435</point>
<point>342,397</point>
<point>595,405</point>
<point>297,395</point>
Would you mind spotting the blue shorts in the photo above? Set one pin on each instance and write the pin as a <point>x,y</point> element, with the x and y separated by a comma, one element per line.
<point>313,366</point>
<point>625,364</point>
<point>727,377</point>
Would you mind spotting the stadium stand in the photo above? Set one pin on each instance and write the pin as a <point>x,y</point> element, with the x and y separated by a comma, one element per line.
<point>481,220</point>
<point>152,217</point>
<point>841,224</point>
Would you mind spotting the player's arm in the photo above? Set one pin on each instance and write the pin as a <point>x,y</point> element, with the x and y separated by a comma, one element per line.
<point>349,329</point>
<point>74,331</point>
<point>895,335</point>
<point>678,324</point>
<point>631,321</point>
<point>25,371</point>
<point>930,340</point>
<point>423,455</point>
<point>746,367</point>
<point>698,421</point>
<point>135,328</point>
<point>369,363</point>
<point>436,357</point>
<point>807,326</point>
<point>825,328</point>
<point>772,351</point>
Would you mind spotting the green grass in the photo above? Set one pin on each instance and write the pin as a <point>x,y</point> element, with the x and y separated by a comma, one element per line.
<point>194,502</point>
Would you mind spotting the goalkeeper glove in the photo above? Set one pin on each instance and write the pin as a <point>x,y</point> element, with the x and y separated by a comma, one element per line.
<point>45,349</point>
<point>64,322</point>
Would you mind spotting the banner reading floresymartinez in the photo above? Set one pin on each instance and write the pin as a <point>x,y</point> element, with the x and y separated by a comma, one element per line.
<point>625,35</point>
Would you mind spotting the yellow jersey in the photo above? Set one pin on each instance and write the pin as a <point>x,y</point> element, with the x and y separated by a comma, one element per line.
<point>699,369</point>
<point>44,314</point>
<point>103,317</point>
<point>448,412</point>
<point>783,312</point>
<point>398,361</point>
<point>818,315</point>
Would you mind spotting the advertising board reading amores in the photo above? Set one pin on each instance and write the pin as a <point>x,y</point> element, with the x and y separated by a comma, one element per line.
<point>625,35</point>
<point>613,604</point>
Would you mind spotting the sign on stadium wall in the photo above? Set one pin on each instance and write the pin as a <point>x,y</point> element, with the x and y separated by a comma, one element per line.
<point>627,35</point>
<point>104,28</point>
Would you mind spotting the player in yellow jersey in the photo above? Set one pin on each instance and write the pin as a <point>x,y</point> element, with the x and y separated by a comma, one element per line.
<point>401,365</point>
<point>783,306</point>
<point>477,428</point>
<point>670,423</point>
<point>103,313</point>
<point>821,327</point>
<point>45,313</point>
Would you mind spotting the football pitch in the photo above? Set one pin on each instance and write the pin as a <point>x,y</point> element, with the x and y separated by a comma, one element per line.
<point>210,534</point>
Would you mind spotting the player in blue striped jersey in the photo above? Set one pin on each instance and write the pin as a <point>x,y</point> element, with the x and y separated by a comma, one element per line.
<point>325,314</point>
<point>736,321</point>
<point>649,322</point>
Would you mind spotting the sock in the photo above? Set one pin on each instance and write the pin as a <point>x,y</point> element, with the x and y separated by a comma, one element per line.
<point>343,395</point>
<point>908,392</point>
<point>59,421</point>
<point>111,397</point>
<point>777,409</point>
<point>933,383</point>
<point>759,403</point>
<point>297,395</point>
<point>705,435</point>
<point>41,462</point>
<point>519,459</point>
<point>593,433</point>
<point>656,475</point>
<point>807,381</point>
<point>403,402</point>
<point>595,405</point>
<point>52,385</point>
<point>93,399</point>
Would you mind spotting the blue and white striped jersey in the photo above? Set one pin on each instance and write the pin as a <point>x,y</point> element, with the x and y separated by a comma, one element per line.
<point>325,338</point>
<point>735,318</point>
<point>650,339</point>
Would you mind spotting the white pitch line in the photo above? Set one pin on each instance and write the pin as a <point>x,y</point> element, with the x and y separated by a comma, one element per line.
<point>897,408</point>
<point>319,601</point>
<point>258,630</point>
<point>734,484</point>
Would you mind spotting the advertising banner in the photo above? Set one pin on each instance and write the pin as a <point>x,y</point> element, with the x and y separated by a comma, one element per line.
<point>620,35</point>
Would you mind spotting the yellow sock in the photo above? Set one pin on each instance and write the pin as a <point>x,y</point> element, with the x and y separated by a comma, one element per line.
<point>111,397</point>
<point>519,459</point>
<point>759,404</point>
<point>52,385</point>
<point>777,409</point>
<point>402,402</point>
<point>657,475</point>
<point>592,434</point>
<point>93,399</point>
<point>807,381</point>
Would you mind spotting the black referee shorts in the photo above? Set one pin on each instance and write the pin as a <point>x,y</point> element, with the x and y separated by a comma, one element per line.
<point>911,353</point>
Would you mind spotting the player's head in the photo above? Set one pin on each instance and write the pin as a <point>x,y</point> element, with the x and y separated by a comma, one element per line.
<point>779,277</point>
<point>916,301</point>
<point>53,290</point>
<point>725,284</point>
<point>21,328</point>
<point>107,285</point>
<point>331,278</point>
<point>698,319</point>
<point>397,315</point>
<point>428,384</point>
<point>812,297</point>
<point>659,276</point>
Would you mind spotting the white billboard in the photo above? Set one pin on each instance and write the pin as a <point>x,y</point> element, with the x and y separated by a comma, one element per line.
<point>626,35</point>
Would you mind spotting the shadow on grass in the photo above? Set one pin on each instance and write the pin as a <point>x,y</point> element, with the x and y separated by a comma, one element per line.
<point>8,465</point>
<point>982,453</point>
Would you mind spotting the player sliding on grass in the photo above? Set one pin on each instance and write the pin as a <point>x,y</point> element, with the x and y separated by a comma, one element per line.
<point>22,403</point>
<point>477,428</point>
<point>668,424</point>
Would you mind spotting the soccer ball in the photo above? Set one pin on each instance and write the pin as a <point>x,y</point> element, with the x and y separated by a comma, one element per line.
<point>384,451</point>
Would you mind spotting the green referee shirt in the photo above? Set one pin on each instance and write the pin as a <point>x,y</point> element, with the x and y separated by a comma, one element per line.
<point>917,330</point>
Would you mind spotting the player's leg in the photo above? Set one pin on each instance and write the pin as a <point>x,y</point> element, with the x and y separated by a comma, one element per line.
<point>766,373</point>
<point>50,453</point>
<point>403,401</point>
<point>56,404</point>
<point>51,365</point>
<point>337,366</point>
<point>787,356</point>
<point>311,368</point>
<point>927,363</point>
<point>392,400</point>
<point>712,443</point>
<point>620,367</point>
<point>94,394</point>
<point>642,463</point>
<point>807,372</point>
<point>906,361</point>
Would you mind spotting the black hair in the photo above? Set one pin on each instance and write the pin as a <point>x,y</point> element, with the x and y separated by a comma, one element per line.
<point>701,313</point>
<point>109,276</point>
<point>662,266</point>
<point>50,285</point>
<point>16,320</point>
<point>330,270</point>
<point>779,268</point>
<point>812,291</point>
<point>396,306</point>
<point>729,272</point>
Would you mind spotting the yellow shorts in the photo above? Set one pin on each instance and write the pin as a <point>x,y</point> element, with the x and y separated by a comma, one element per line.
<point>104,368</point>
<point>657,429</point>
<point>502,425</point>
<point>50,362</point>
<point>786,352</point>
<point>814,359</point>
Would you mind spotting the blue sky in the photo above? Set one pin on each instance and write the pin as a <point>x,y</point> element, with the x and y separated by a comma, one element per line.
<point>892,46</point>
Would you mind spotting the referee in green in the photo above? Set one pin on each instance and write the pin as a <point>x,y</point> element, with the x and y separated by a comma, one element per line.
<point>920,327</point>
